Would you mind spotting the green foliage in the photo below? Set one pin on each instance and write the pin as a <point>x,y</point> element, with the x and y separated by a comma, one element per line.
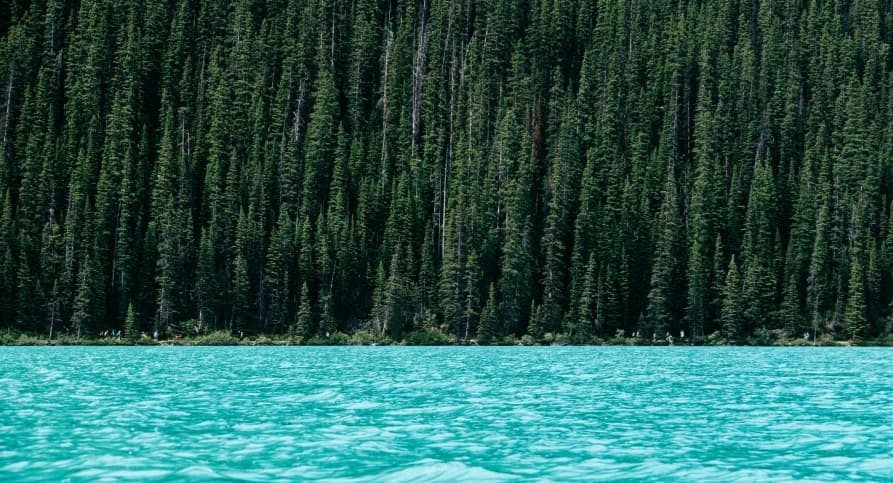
<point>732,303</point>
<point>131,331</point>
<point>28,340</point>
<point>489,323</point>
<point>303,326</point>
<point>338,338</point>
<point>429,337</point>
<point>262,340</point>
<point>761,336</point>
<point>487,170</point>
<point>716,338</point>
<point>664,293</point>
<point>363,337</point>
<point>218,337</point>
<point>528,340</point>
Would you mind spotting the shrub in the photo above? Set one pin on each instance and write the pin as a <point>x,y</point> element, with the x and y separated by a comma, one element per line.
<point>826,340</point>
<point>339,338</point>
<point>509,340</point>
<point>220,337</point>
<point>105,341</point>
<point>561,339</point>
<point>145,341</point>
<point>429,337</point>
<point>761,336</point>
<point>528,339</point>
<point>796,341</point>
<point>29,340</point>
<point>361,337</point>
<point>716,338</point>
<point>189,327</point>
<point>8,338</point>
<point>365,337</point>
<point>263,340</point>
<point>884,341</point>
<point>620,338</point>
<point>68,339</point>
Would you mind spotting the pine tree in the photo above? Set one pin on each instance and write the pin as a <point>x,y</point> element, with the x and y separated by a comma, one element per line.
<point>732,303</point>
<point>590,303</point>
<point>659,313</point>
<point>241,297</point>
<point>321,139</point>
<point>517,262</point>
<point>562,190</point>
<point>7,262</point>
<point>595,164</point>
<point>380,308</point>
<point>703,220</point>
<point>131,329</point>
<point>759,251</point>
<point>471,303</point>
<point>535,325</point>
<point>303,326</point>
<point>207,285</point>
<point>854,321</point>
<point>82,317</point>
<point>452,276</point>
<point>789,312</point>
<point>29,301</point>
<point>173,220</point>
<point>488,326</point>
<point>276,273</point>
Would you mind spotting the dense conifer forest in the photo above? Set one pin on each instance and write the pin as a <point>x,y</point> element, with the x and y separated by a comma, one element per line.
<point>482,168</point>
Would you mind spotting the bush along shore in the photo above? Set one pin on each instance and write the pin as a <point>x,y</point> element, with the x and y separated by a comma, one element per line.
<point>426,338</point>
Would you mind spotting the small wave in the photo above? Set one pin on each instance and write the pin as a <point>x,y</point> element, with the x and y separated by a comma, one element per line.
<point>138,475</point>
<point>419,415</point>
<point>199,472</point>
<point>428,470</point>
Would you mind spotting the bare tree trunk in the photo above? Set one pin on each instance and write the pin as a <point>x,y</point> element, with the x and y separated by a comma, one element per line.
<point>7,113</point>
<point>418,75</point>
<point>389,41</point>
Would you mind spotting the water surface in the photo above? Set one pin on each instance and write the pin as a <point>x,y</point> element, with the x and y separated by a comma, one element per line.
<point>445,413</point>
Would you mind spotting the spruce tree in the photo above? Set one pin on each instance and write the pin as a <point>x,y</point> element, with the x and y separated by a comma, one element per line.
<point>276,273</point>
<point>131,329</point>
<point>596,163</point>
<point>488,326</point>
<point>659,316</point>
<point>760,251</point>
<point>854,321</point>
<point>303,325</point>
<point>732,303</point>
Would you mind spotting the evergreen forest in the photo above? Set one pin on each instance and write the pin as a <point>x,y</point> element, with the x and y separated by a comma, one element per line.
<point>485,169</point>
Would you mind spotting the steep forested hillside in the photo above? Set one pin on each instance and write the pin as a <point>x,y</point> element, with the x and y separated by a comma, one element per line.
<point>484,168</point>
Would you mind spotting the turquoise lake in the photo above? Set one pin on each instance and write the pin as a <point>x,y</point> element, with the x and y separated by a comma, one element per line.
<point>445,413</point>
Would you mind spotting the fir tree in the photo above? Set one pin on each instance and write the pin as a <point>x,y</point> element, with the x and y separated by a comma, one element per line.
<point>732,303</point>
<point>489,324</point>
<point>659,313</point>
<point>303,326</point>
<point>131,329</point>
<point>596,165</point>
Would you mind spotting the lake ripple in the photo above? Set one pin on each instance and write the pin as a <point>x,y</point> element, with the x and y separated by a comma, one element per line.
<point>445,413</point>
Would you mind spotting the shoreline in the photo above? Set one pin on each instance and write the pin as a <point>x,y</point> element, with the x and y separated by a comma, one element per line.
<point>25,341</point>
